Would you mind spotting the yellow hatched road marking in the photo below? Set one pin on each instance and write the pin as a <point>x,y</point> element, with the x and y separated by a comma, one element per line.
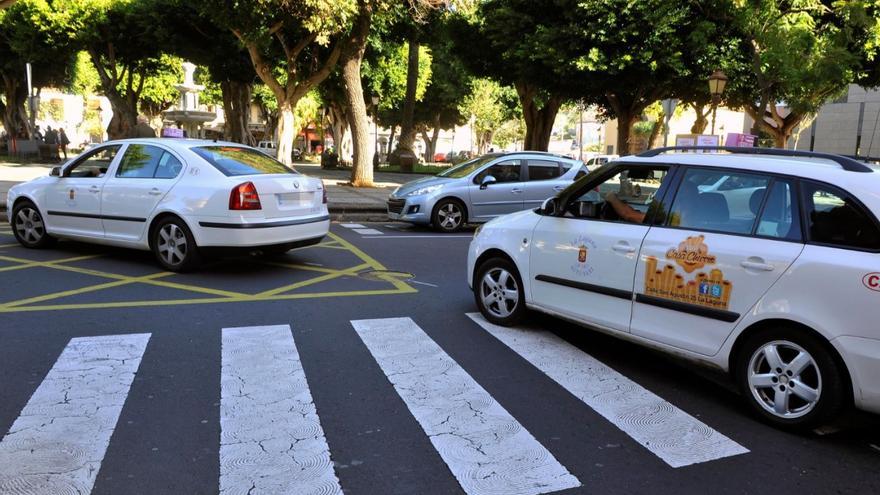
<point>312,281</point>
<point>25,263</point>
<point>91,288</point>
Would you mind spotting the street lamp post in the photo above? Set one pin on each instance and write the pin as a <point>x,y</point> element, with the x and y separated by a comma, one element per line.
<point>669,105</point>
<point>375,100</point>
<point>581,131</point>
<point>717,82</point>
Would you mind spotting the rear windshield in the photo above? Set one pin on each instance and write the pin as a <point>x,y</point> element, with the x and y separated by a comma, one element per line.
<point>232,161</point>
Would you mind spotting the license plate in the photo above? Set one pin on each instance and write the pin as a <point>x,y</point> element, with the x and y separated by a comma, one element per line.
<point>296,199</point>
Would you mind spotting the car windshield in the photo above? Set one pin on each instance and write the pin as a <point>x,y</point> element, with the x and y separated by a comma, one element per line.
<point>466,168</point>
<point>234,160</point>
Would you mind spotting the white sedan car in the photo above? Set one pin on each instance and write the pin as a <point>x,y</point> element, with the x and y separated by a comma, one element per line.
<point>729,260</point>
<point>174,197</point>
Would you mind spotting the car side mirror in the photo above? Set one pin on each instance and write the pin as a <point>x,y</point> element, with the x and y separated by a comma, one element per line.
<point>486,181</point>
<point>55,172</point>
<point>549,207</point>
<point>587,209</point>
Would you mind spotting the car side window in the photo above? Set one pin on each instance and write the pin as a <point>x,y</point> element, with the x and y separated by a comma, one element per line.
<point>506,171</point>
<point>169,167</point>
<point>703,202</point>
<point>628,195</point>
<point>835,218</point>
<point>543,170</point>
<point>139,162</point>
<point>779,218</point>
<point>94,164</point>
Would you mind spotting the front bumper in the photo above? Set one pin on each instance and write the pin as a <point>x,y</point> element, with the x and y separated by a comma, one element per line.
<point>215,233</point>
<point>862,357</point>
<point>416,209</point>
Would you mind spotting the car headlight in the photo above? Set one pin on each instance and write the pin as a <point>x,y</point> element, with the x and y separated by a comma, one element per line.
<point>424,190</point>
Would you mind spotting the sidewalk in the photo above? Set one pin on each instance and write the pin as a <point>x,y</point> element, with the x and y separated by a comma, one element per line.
<point>345,202</point>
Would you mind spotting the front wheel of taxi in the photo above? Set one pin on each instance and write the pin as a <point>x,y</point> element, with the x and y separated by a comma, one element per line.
<point>790,379</point>
<point>28,226</point>
<point>174,246</point>
<point>499,293</point>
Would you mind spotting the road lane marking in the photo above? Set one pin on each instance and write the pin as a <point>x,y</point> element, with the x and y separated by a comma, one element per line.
<point>271,440</point>
<point>487,450</point>
<point>58,442</point>
<point>671,434</point>
<point>352,225</point>
<point>368,231</point>
<point>439,236</point>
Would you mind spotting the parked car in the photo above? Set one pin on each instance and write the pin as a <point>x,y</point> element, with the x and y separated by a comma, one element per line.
<point>269,148</point>
<point>481,189</point>
<point>598,160</point>
<point>175,197</point>
<point>439,157</point>
<point>760,263</point>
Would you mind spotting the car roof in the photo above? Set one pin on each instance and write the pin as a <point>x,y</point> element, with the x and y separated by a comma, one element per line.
<point>177,143</point>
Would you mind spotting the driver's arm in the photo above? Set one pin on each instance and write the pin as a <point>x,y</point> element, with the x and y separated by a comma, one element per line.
<point>623,210</point>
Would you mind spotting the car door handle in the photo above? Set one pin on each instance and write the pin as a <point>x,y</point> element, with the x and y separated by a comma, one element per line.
<point>94,189</point>
<point>756,265</point>
<point>623,247</point>
<point>516,191</point>
<point>558,188</point>
<point>155,192</point>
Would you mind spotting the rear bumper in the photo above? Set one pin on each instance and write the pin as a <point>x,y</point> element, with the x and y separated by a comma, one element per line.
<point>862,357</point>
<point>215,233</point>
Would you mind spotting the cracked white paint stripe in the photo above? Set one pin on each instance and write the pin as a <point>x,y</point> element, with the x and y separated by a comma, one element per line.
<point>487,450</point>
<point>58,442</point>
<point>668,432</point>
<point>271,440</point>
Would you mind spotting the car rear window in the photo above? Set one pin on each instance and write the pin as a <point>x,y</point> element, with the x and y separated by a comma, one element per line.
<point>234,160</point>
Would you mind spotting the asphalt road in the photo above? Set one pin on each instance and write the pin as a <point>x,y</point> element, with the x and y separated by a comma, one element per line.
<point>118,378</point>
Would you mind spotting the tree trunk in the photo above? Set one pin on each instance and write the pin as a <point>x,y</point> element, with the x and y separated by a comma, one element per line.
<point>407,127</point>
<point>286,132</point>
<point>702,120</point>
<point>352,55</point>
<point>124,118</point>
<point>390,143</point>
<point>14,109</point>
<point>625,121</point>
<point>539,120</point>
<point>431,140</point>
<point>655,131</point>
<point>237,110</point>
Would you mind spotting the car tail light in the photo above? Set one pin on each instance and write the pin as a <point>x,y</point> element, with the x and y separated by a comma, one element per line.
<point>244,197</point>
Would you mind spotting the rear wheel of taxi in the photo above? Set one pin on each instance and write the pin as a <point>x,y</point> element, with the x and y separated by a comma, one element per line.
<point>174,246</point>
<point>499,292</point>
<point>449,216</point>
<point>790,379</point>
<point>28,226</point>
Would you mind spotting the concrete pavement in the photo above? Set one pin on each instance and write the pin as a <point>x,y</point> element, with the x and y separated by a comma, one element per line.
<point>345,202</point>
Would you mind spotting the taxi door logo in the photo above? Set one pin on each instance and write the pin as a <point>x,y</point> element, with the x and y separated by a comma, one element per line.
<point>704,289</point>
<point>872,281</point>
<point>71,197</point>
<point>582,244</point>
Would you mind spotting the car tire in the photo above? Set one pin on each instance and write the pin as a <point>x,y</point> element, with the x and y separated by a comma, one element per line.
<point>174,245</point>
<point>790,379</point>
<point>449,216</point>
<point>498,291</point>
<point>28,226</point>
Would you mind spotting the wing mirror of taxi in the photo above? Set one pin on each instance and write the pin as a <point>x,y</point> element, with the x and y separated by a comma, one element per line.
<point>486,181</point>
<point>549,207</point>
<point>55,172</point>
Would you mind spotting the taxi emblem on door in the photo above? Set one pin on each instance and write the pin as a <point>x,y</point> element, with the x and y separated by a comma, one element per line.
<point>72,194</point>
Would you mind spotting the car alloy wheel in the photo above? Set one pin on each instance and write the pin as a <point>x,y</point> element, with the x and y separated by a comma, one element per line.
<point>784,379</point>
<point>172,245</point>
<point>449,216</point>
<point>29,225</point>
<point>499,292</point>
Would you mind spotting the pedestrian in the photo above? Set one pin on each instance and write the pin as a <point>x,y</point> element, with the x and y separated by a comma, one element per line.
<point>37,134</point>
<point>51,140</point>
<point>63,141</point>
<point>143,129</point>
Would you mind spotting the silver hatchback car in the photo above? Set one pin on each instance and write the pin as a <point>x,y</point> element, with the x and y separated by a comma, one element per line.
<point>481,189</point>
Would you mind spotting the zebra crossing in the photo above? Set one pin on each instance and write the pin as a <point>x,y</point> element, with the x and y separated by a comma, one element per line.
<point>271,436</point>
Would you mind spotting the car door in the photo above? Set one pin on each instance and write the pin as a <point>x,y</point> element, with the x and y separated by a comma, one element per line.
<point>503,196</point>
<point>73,201</point>
<point>542,182</point>
<point>714,257</point>
<point>583,260</point>
<point>144,176</point>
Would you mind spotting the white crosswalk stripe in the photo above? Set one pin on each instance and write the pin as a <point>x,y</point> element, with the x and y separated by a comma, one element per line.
<point>671,434</point>
<point>58,442</point>
<point>487,450</point>
<point>271,439</point>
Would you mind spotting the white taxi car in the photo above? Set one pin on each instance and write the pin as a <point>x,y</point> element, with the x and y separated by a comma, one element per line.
<point>174,197</point>
<point>763,263</point>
